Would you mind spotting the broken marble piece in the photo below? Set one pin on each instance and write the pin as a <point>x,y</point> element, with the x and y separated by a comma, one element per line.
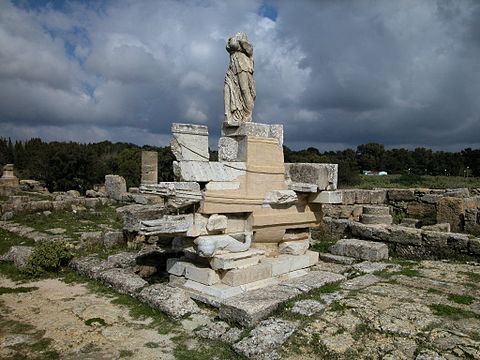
<point>209,245</point>
<point>190,142</point>
<point>205,171</point>
<point>323,175</point>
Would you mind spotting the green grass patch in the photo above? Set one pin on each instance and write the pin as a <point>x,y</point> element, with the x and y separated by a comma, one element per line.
<point>434,291</point>
<point>417,181</point>
<point>17,290</point>
<point>408,272</point>
<point>95,321</point>
<point>8,239</point>
<point>126,353</point>
<point>8,269</point>
<point>461,299</point>
<point>207,350</point>
<point>452,312</point>
<point>473,277</point>
<point>73,223</point>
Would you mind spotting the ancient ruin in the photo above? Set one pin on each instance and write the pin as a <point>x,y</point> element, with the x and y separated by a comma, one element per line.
<point>8,178</point>
<point>243,221</point>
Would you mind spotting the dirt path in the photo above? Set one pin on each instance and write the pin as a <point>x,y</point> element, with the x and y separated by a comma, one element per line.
<point>69,320</point>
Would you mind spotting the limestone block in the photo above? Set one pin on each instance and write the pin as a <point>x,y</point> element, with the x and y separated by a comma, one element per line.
<point>376,210</point>
<point>360,282</point>
<point>123,280</point>
<point>176,266</point>
<point>444,227</point>
<point>409,222</point>
<point>451,210</point>
<point>296,234</point>
<point>323,175</point>
<point>404,235</point>
<point>431,198</point>
<point>8,178</point>
<point>115,186</point>
<point>132,215</point>
<point>247,275</point>
<point>190,142</point>
<point>149,167</point>
<point>283,264</point>
<point>421,210</point>
<point>348,197</point>
<point>376,219</point>
<point>327,197</point>
<point>170,188</point>
<point>336,259</point>
<point>232,148</point>
<point>256,130</point>
<point>112,239</point>
<point>378,196</point>
<point>460,192</point>
<point>204,171</point>
<point>401,194</point>
<point>217,223</point>
<point>171,300</point>
<point>360,249</point>
<point>280,197</point>
<point>203,275</point>
<point>298,247</point>
<point>302,187</point>
<point>236,260</point>
<point>222,185</point>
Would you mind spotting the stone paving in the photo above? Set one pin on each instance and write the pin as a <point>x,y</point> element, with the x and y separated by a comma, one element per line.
<point>401,310</point>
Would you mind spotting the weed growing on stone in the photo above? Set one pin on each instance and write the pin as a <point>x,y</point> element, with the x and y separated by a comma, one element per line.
<point>17,290</point>
<point>8,239</point>
<point>452,312</point>
<point>461,299</point>
<point>208,350</point>
<point>473,277</point>
<point>95,321</point>
<point>408,272</point>
<point>47,257</point>
<point>434,291</point>
<point>337,306</point>
<point>126,354</point>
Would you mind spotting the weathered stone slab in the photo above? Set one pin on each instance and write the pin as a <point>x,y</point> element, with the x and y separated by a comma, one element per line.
<point>298,247</point>
<point>444,227</point>
<point>281,197</point>
<point>323,175</point>
<point>302,187</point>
<point>265,338</point>
<point>90,266</point>
<point>376,210</point>
<point>256,130</point>
<point>236,277</point>
<point>222,185</point>
<point>123,259</point>
<point>190,142</point>
<point>314,280</point>
<point>360,282</point>
<point>112,239</point>
<point>251,307</point>
<point>404,235</point>
<point>376,219</point>
<point>115,186</point>
<point>451,210</point>
<point>400,194</point>
<point>307,307</point>
<point>368,267</point>
<point>133,214</point>
<point>283,264</point>
<point>205,171</point>
<point>203,275</point>
<point>236,260</point>
<point>122,280</point>
<point>19,255</point>
<point>172,301</point>
<point>176,266</point>
<point>360,249</point>
<point>348,197</point>
<point>327,197</point>
<point>337,259</point>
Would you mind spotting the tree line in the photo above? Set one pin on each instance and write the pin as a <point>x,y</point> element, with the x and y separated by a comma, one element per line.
<point>70,165</point>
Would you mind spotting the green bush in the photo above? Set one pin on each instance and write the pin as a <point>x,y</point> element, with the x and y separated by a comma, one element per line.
<point>47,257</point>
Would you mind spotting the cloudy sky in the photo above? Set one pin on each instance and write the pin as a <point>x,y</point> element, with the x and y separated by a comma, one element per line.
<point>336,73</point>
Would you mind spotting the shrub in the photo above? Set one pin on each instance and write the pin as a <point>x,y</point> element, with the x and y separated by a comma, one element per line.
<point>47,257</point>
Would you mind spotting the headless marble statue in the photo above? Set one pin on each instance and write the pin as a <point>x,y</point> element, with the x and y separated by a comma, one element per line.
<point>239,88</point>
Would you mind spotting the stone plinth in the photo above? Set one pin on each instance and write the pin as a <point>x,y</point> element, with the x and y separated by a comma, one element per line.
<point>149,167</point>
<point>8,178</point>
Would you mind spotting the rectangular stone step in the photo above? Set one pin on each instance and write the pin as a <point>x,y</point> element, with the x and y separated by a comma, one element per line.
<point>337,259</point>
<point>360,249</point>
<point>376,219</point>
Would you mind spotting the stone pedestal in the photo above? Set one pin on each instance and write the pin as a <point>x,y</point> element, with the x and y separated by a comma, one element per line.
<point>8,178</point>
<point>149,167</point>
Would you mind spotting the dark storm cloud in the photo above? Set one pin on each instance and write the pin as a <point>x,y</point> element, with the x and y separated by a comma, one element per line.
<point>335,73</point>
